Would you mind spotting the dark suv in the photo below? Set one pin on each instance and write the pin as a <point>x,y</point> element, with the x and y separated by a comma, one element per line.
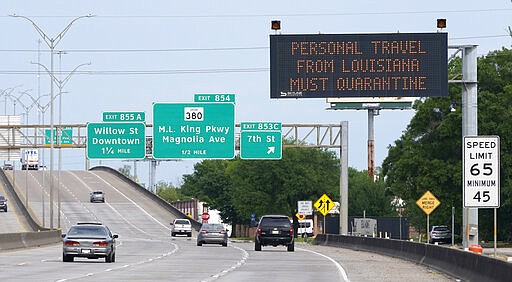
<point>274,230</point>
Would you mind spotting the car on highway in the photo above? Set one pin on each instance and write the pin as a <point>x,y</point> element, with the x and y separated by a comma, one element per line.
<point>97,196</point>
<point>274,230</point>
<point>3,203</point>
<point>212,233</point>
<point>90,240</point>
<point>7,166</point>
<point>181,226</point>
<point>440,233</point>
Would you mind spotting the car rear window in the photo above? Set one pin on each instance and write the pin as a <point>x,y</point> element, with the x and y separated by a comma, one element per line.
<point>87,231</point>
<point>441,229</point>
<point>182,221</point>
<point>97,193</point>
<point>213,226</point>
<point>275,221</point>
<point>2,198</point>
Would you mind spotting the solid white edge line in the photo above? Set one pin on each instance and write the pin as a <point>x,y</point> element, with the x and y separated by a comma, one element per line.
<point>340,268</point>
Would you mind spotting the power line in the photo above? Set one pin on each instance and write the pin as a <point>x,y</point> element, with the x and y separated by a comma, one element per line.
<point>288,15</point>
<point>170,50</point>
<point>145,72</point>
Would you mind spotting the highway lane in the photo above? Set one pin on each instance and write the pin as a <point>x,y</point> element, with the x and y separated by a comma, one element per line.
<point>146,252</point>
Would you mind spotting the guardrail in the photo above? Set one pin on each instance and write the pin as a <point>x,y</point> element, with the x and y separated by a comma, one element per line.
<point>195,224</point>
<point>465,265</point>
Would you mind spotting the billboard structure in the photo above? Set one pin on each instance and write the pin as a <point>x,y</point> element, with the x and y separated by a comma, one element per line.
<point>358,65</point>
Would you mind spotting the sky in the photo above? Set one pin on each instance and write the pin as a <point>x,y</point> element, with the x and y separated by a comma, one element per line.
<point>134,53</point>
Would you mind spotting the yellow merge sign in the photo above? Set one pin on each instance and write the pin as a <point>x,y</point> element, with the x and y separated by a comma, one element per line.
<point>428,202</point>
<point>324,204</point>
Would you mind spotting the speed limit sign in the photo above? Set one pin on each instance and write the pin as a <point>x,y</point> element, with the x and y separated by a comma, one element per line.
<point>481,187</point>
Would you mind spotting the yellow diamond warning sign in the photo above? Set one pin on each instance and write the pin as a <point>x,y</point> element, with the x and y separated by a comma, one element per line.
<point>428,202</point>
<point>324,204</point>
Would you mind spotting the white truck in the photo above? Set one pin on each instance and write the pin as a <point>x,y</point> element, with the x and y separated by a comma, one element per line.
<point>30,159</point>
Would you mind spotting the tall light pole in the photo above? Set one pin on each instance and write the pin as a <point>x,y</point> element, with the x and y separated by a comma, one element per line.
<point>52,43</point>
<point>41,109</point>
<point>60,84</point>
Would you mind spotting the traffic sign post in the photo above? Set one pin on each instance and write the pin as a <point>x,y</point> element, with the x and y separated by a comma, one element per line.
<point>481,172</point>
<point>428,203</point>
<point>116,140</point>
<point>324,204</point>
<point>260,140</point>
<point>193,130</point>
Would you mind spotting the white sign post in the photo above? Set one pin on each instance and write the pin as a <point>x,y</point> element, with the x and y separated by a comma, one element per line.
<point>481,171</point>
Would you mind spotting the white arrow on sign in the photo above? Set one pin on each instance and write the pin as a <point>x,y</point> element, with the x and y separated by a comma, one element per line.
<point>271,150</point>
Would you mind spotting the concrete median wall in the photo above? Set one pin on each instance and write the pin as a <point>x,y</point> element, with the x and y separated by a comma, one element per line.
<point>461,264</point>
<point>9,241</point>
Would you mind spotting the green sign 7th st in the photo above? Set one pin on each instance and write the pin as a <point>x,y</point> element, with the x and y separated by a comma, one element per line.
<point>193,130</point>
<point>116,140</point>
<point>260,140</point>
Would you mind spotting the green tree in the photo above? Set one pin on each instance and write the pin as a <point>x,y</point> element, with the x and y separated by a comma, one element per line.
<point>126,171</point>
<point>366,196</point>
<point>238,187</point>
<point>428,156</point>
<point>167,191</point>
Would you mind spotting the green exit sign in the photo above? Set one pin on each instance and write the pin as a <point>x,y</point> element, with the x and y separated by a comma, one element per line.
<point>260,140</point>
<point>116,140</point>
<point>124,116</point>
<point>193,130</point>
<point>65,137</point>
<point>214,98</point>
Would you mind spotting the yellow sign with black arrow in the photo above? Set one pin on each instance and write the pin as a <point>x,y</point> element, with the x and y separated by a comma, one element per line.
<point>324,204</point>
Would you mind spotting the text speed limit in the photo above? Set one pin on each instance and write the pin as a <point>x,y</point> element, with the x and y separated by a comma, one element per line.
<point>481,188</point>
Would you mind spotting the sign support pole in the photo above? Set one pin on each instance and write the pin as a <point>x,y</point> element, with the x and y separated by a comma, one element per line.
<point>428,228</point>
<point>469,127</point>
<point>495,229</point>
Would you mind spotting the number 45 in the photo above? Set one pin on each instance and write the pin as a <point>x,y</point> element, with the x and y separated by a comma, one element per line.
<point>482,196</point>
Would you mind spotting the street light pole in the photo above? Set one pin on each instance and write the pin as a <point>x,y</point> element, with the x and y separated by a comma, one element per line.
<point>52,43</point>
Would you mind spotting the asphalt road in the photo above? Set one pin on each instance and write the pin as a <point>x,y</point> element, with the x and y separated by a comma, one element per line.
<point>147,252</point>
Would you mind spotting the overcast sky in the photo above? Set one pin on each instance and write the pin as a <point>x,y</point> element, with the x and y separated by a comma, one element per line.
<point>166,51</point>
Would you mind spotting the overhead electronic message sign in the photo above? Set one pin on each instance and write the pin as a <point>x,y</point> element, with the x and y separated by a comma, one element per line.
<point>359,65</point>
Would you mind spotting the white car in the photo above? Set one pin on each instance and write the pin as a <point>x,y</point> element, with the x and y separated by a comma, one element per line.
<point>181,226</point>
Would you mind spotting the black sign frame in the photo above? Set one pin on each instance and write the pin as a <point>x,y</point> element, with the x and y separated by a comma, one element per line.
<point>359,65</point>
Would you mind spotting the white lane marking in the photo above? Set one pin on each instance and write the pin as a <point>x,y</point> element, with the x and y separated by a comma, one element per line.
<point>135,204</point>
<point>341,271</point>
<point>223,272</point>
<point>110,206</point>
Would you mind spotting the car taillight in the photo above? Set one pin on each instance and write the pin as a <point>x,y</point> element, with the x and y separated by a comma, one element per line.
<point>72,244</point>
<point>204,231</point>
<point>258,230</point>
<point>100,244</point>
<point>222,231</point>
<point>291,230</point>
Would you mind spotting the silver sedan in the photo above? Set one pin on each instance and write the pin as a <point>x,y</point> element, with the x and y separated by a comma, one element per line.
<point>212,233</point>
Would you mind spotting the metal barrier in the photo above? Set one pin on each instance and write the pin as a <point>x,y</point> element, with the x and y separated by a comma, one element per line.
<point>465,265</point>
